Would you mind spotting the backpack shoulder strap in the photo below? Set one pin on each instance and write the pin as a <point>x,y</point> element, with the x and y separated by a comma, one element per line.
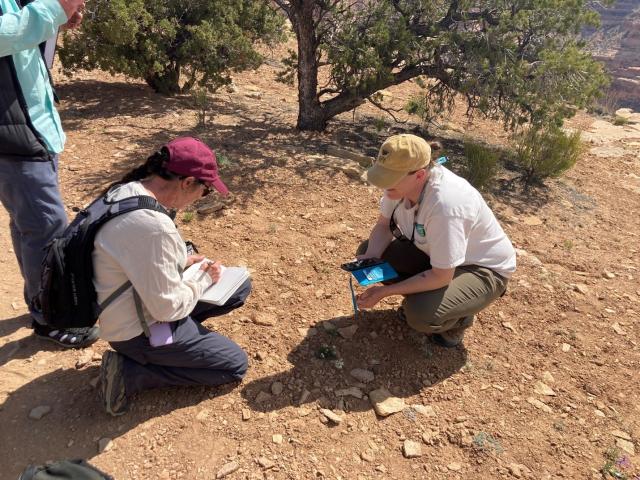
<point>118,208</point>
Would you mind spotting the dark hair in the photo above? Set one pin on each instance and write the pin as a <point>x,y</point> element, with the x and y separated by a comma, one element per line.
<point>155,165</point>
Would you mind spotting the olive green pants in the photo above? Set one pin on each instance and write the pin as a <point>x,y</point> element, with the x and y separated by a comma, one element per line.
<point>472,289</point>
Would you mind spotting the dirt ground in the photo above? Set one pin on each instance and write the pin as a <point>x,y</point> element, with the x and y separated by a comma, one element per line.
<point>545,386</point>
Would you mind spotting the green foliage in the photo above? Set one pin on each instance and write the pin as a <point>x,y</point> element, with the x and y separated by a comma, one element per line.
<point>202,103</point>
<point>223,160</point>
<point>171,44</point>
<point>480,165</point>
<point>486,442</point>
<point>544,152</point>
<point>515,60</point>
<point>618,120</point>
<point>188,217</point>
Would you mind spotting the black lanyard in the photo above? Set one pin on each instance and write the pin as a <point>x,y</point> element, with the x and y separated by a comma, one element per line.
<point>393,226</point>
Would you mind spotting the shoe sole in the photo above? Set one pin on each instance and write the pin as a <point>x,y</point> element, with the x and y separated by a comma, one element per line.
<point>107,374</point>
<point>93,338</point>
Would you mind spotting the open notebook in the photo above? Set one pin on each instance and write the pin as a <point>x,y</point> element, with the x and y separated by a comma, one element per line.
<point>231,279</point>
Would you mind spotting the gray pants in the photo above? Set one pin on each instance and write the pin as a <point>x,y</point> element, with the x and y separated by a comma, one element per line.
<point>197,355</point>
<point>472,289</point>
<point>29,191</point>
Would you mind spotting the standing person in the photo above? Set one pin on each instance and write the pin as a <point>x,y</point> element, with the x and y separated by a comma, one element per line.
<point>31,138</point>
<point>438,233</point>
<point>158,337</point>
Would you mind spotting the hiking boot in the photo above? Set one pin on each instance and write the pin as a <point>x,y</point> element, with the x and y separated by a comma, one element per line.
<point>67,337</point>
<point>452,338</point>
<point>112,392</point>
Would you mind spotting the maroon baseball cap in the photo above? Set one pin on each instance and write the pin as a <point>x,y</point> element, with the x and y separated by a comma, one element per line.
<point>191,157</point>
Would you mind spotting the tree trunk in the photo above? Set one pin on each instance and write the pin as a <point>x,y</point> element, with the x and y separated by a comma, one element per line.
<point>310,113</point>
<point>166,82</point>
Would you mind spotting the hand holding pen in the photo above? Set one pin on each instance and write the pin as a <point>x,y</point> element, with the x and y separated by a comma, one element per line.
<point>213,269</point>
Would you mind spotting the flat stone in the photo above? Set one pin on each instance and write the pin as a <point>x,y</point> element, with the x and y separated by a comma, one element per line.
<point>362,375</point>
<point>246,414</point>
<point>105,444</point>
<point>202,415</point>
<point>262,397</point>
<point>621,434</point>
<point>227,469</point>
<point>543,389</point>
<point>350,392</point>
<point>411,449</point>
<point>547,377</point>
<point>566,347</point>
<point>368,455</point>
<point>425,410</point>
<point>348,332</point>
<point>265,319</point>
<point>455,466</point>
<point>618,329</point>
<point>277,439</point>
<point>39,412</point>
<point>337,419</point>
<point>539,405</point>
<point>430,436</point>
<point>626,445</point>
<point>384,403</point>
<point>277,388</point>
<point>265,463</point>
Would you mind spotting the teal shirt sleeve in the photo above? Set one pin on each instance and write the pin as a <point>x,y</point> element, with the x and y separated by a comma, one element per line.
<point>27,28</point>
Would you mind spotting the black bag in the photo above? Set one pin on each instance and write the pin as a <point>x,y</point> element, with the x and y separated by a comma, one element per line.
<point>64,470</point>
<point>67,297</point>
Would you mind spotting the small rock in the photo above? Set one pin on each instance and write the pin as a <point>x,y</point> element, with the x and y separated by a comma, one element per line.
<point>337,419</point>
<point>626,445</point>
<point>509,326</point>
<point>621,434</point>
<point>15,306</point>
<point>85,359</point>
<point>265,463</point>
<point>348,332</point>
<point>105,444</point>
<point>362,375</point>
<point>227,469</point>
<point>381,469</point>
<point>277,439</point>
<point>539,405</point>
<point>543,389</point>
<point>426,410</point>
<point>455,466</point>
<point>202,415</point>
<point>581,288</point>
<point>304,396</point>
<point>246,414</point>
<point>515,470</point>
<point>532,220</point>
<point>265,319</point>
<point>351,391</point>
<point>38,412</point>
<point>566,347</point>
<point>547,377</point>
<point>430,436</point>
<point>368,455</point>
<point>384,403</point>
<point>276,388</point>
<point>411,449</point>
<point>609,275</point>
<point>618,329</point>
<point>262,397</point>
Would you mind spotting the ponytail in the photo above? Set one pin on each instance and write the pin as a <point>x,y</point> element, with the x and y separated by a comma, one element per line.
<point>435,146</point>
<point>155,165</point>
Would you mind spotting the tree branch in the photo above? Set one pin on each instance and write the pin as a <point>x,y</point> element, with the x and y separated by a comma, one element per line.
<point>387,110</point>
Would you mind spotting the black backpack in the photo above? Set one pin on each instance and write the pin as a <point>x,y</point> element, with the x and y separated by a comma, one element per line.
<point>67,297</point>
<point>64,470</point>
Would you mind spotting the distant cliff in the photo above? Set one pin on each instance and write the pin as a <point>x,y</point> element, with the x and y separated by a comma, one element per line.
<point>617,44</point>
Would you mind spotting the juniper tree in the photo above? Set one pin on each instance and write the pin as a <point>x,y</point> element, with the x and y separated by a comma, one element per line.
<point>518,60</point>
<point>172,44</point>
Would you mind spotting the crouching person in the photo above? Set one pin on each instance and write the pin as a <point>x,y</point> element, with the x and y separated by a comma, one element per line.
<point>438,233</point>
<point>155,327</point>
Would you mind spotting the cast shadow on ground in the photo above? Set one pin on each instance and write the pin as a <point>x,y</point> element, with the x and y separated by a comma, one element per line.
<point>23,347</point>
<point>77,420</point>
<point>403,361</point>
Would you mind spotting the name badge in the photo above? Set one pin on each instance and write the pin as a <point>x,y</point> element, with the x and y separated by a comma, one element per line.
<point>420,229</point>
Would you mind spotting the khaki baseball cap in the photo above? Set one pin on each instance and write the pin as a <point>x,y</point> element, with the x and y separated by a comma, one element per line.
<point>399,155</point>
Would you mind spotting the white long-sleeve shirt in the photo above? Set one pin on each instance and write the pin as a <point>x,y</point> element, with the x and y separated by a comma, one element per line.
<point>144,247</point>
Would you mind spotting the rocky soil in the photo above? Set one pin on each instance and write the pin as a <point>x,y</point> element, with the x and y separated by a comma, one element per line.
<point>545,386</point>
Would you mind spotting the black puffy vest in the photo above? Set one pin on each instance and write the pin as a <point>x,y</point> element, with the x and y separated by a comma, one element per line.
<point>19,139</point>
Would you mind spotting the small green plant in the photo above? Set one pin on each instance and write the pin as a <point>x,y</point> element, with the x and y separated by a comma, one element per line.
<point>223,160</point>
<point>615,466</point>
<point>618,120</point>
<point>379,124</point>
<point>202,103</point>
<point>568,244</point>
<point>187,217</point>
<point>487,443</point>
<point>480,165</point>
<point>327,352</point>
<point>544,152</point>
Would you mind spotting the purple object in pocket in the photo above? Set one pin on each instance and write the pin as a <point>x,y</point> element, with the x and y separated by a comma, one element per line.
<point>160,334</point>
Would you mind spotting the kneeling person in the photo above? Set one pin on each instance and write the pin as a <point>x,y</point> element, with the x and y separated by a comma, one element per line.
<point>158,337</point>
<point>438,233</point>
